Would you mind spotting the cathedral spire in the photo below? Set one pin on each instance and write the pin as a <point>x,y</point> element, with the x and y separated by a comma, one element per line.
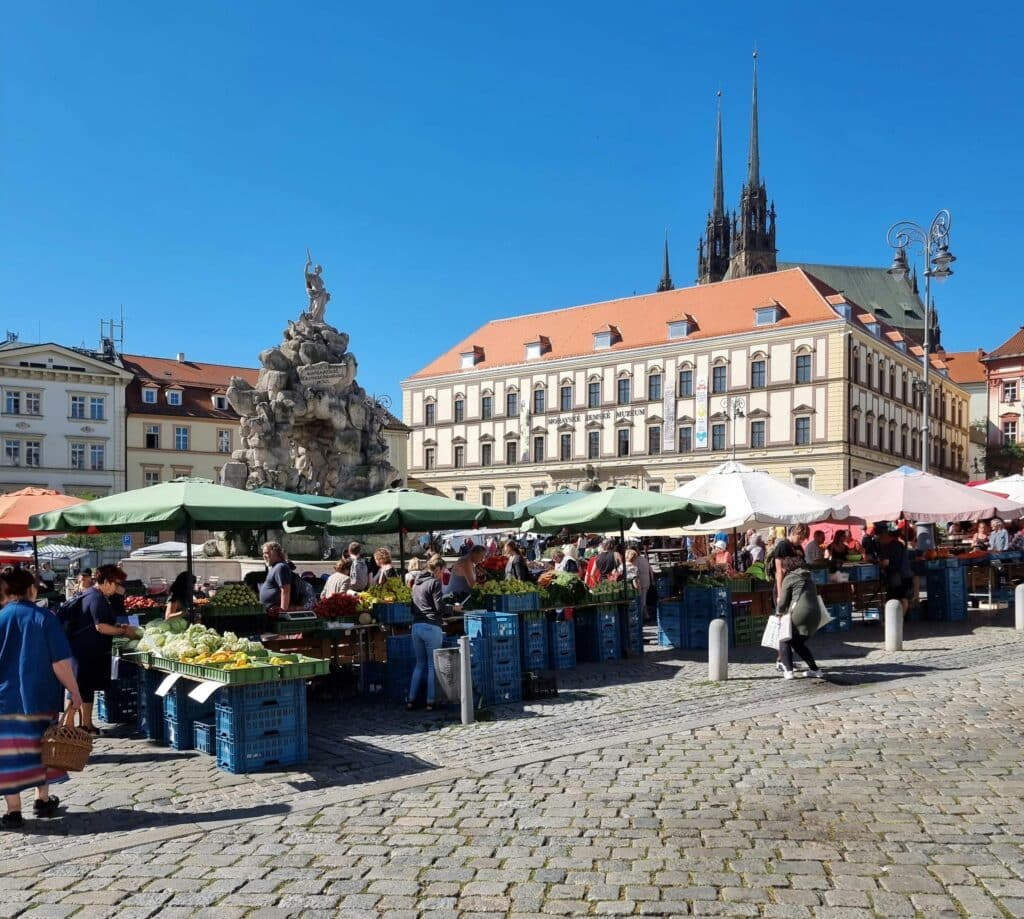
<point>754,158</point>
<point>719,199</point>
<point>666,277</point>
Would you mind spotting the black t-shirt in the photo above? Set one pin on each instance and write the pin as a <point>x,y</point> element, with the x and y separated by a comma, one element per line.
<point>606,564</point>
<point>895,554</point>
<point>786,549</point>
<point>86,642</point>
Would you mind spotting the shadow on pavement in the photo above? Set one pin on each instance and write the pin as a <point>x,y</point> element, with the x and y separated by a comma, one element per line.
<point>147,756</point>
<point>879,673</point>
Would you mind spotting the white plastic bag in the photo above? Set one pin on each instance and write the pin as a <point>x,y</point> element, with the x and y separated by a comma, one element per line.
<point>826,616</point>
<point>770,638</point>
<point>785,628</point>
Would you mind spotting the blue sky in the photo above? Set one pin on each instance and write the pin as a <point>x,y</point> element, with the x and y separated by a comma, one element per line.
<point>454,162</point>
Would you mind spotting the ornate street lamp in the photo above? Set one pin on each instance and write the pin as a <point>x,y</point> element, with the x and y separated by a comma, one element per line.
<point>733,409</point>
<point>934,242</point>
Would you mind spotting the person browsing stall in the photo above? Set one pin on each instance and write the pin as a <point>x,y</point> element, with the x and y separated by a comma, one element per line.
<point>179,596</point>
<point>429,608</point>
<point>276,590</point>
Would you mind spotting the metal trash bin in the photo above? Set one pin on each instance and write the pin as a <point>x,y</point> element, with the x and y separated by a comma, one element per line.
<point>446,673</point>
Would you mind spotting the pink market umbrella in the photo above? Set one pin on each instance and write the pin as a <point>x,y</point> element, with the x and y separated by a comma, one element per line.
<point>923,498</point>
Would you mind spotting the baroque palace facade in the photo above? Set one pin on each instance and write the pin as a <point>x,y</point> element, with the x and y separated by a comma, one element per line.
<point>810,372</point>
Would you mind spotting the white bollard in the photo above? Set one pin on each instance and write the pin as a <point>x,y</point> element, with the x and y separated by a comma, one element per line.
<point>1018,607</point>
<point>894,626</point>
<point>465,680</point>
<point>718,650</point>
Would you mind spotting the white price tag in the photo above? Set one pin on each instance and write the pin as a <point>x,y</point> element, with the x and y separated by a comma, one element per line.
<point>165,686</point>
<point>204,690</point>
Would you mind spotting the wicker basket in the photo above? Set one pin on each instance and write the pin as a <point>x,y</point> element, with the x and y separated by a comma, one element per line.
<point>66,747</point>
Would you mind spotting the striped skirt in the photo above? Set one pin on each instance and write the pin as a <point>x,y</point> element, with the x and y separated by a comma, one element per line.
<point>21,758</point>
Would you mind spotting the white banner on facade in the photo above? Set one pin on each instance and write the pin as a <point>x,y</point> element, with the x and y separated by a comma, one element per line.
<point>701,432</point>
<point>668,439</point>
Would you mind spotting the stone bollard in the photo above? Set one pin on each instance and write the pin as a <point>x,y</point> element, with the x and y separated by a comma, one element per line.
<point>465,680</point>
<point>718,650</point>
<point>1018,607</point>
<point>894,626</point>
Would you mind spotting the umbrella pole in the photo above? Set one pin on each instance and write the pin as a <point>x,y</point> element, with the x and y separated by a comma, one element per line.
<point>188,570</point>
<point>401,548</point>
<point>35,555</point>
<point>622,544</point>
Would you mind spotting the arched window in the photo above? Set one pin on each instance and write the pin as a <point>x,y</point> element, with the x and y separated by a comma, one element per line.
<point>540,397</point>
<point>459,408</point>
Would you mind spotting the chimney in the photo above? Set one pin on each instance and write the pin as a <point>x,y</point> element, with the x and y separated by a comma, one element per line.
<point>181,357</point>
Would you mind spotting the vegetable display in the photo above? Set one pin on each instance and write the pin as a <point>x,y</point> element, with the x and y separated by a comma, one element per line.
<point>234,596</point>
<point>564,589</point>
<point>175,640</point>
<point>337,606</point>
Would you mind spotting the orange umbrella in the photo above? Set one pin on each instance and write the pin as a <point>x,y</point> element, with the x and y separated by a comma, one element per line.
<point>17,506</point>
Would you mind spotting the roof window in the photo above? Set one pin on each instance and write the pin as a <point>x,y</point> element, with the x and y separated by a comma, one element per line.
<point>768,313</point>
<point>469,359</point>
<point>606,337</point>
<point>535,349</point>
<point>680,328</point>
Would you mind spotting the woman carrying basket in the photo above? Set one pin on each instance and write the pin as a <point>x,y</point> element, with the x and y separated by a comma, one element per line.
<point>35,669</point>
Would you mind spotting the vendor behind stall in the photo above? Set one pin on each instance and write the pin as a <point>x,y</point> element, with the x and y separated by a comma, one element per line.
<point>276,590</point>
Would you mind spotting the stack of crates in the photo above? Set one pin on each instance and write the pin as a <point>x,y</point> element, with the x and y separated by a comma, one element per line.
<point>842,617</point>
<point>561,643</point>
<point>400,665</point>
<point>663,585</point>
<point>747,629</point>
<point>671,624</point>
<point>150,719</point>
<point>598,637</point>
<point>181,714</point>
<point>631,628</point>
<point>204,735</point>
<point>260,725</point>
<point>700,606</point>
<point>494,656</point>
<point>120,703</point>
<point>947,594</point>
<point>533,640</point>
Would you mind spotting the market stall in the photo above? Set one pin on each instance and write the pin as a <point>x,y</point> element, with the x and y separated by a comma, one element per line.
<point>18,507</point>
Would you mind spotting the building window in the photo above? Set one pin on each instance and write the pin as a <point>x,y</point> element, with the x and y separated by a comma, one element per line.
<point>803,431</point>
<point>78,407</point>
<point>869,380</point>
<point>686,439</point>
<point>149,397</point>
<point>622,440</point>
<point>756,433</point>
<point>150,477</point>
<point>512,404</point>
<point>718,383</point>
<point>96,406</point>
<point>654,387</point>
<point>511,452</point>
<point>906,389</point>
<point>802,481</point>
<point>656,489</point>
<point>460,456</point>
<point>430,413</point>
<point>565,398</point>
<point>1010,391</point>
<point>538,492</point>
<point>903,441</point>
<point>460,409</point>
<point>538,449</point>
<point>12,406</point>
<point>855,370</point>
<point>486,453</point>
<point>428,458</point>
<point>152,437</point>
<point>1009,432</point>
<point>78,456</point>
<point>654,440</point>
<point>854,430</point>
<point>892,380</point>
<point>593,395</point>
<point>538,401</point>
<point>33,403</point>
<point>223,441</point>
<point>511,496</point>
<point>181,438</point>
<point>33,452</point>
<point>96,457</point>
<point>593,444</point>
<point>459,495</point>
<point>803,368</point>
<point>623,391</point>
<point>486,407</point>
<point>718,437</point>
<point>220,403</point>
<point>685,383</point>
<point>759,374</point>
<point>487,498</point>
<point>565,447</point>
<point>12,452</point>
<point>174,397</point>
<point>881,434</point>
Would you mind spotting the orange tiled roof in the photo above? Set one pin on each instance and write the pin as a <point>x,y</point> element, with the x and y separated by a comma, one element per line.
<point>965,366</point>
<point>1013,345</point>
<point>199,383</point>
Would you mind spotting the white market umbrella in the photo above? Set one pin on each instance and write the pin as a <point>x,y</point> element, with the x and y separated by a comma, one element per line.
<point>1012,486</point>
<point>924,498</point>
<point>753,499</point>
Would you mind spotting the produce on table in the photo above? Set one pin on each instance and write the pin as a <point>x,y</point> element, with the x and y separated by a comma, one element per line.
<point>393,590</point>
<point>500,588</point>
<point>131,603</point>
<point>175,640</point>
<point>563,589</point>
<point>337,606</point>
<point>610,590</point>
<point>232,596</point>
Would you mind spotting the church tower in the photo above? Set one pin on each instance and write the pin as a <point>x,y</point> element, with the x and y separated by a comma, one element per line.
<point>666,276</point>
<point>713,249</point>
<point>753,234</point>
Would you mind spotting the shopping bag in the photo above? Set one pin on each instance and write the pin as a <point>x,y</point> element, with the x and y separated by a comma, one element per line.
<point>785,628</point>
<point>826,616</point>
<point>770,638</point>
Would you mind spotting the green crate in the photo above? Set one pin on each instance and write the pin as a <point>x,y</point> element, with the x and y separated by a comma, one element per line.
<point>741,585</point>
<point>304,625</point>
<point>218,612</point>
<point>304,668</point>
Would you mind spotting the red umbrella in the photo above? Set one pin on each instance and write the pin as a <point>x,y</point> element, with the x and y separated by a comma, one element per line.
<point>17,506</point>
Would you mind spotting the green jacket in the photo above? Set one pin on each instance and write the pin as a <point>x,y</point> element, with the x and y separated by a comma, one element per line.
<point>800,599</point>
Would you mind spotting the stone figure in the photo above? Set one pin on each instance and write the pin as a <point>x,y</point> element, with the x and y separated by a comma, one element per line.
<point>318,295</point>
<point>307,425</point>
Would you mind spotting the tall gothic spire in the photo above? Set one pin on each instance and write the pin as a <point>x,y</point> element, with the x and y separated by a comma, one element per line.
<point>666,277</point>
<point>719,200</point>
<point>754,158</point>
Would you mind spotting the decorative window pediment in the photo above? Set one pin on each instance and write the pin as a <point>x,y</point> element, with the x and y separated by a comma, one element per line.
<point>804,409</point>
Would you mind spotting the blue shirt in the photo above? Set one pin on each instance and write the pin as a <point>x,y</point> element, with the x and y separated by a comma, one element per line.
<point>280,575</point>
<point>999,541</point>
<point>31,641</point>
<point>96,610</point>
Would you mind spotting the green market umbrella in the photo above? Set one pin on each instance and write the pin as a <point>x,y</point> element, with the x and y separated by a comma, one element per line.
<point>395,510</point>
<point>311,500</point>
<point>536,505</point>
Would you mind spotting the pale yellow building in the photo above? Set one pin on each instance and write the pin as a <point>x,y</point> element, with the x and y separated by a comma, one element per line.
<point>779,369</point>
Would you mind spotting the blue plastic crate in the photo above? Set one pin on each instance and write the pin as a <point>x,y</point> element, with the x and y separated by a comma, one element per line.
<point>838,625</point>
<point>397,678</point>
<point>819,575</point>
<point>663,586</point>
<point>562,644</point>
<point>631,629</point>
<point>492,624</point>
<point>261,752</point>
<point>861,573</point>
<point>392,613</point>
<point>150,719</point>
<point>257,695</point>
<point>533,640</point>
<point>117,707</point>
<point>371,678</point>
<point>253,722</point>
<point>840,610</point>
<point>180,735</point>
<point>513,603</point>
<point>716,600</point>
<point>204,736</point>
<point>399,647</point>
<point>177,703</point>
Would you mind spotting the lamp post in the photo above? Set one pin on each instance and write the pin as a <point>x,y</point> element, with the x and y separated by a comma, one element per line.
<point>937,258</point>
<point>733,409</point>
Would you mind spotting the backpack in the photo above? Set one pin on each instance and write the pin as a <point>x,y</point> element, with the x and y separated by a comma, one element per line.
<point>303,595</point>
<point>69,614</point>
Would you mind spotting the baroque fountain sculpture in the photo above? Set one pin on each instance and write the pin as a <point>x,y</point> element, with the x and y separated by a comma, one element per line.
<point>307,426</point>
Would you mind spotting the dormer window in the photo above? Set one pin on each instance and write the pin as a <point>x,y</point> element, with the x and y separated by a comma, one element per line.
<point>841,306</point>
<point>174,397</point>
<point>874,328</point>
<point>680,328</point>
<point>901,344</point>
<point>767,315</point>
<point>606,337</point>
<point>469,359</point>
<point>535,349</point>
<point>149,395</point>
<point>220,403</point>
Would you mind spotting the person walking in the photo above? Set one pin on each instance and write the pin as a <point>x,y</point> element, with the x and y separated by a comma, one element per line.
<point>798,600</point>
<point>428,609</point>
<point>35,669</point>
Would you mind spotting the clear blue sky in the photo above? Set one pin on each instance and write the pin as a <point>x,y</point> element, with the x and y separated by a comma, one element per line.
<point>454,162</point>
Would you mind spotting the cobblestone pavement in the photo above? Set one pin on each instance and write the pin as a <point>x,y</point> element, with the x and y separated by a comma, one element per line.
<point>359,749</point>
<point>903,800</point>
